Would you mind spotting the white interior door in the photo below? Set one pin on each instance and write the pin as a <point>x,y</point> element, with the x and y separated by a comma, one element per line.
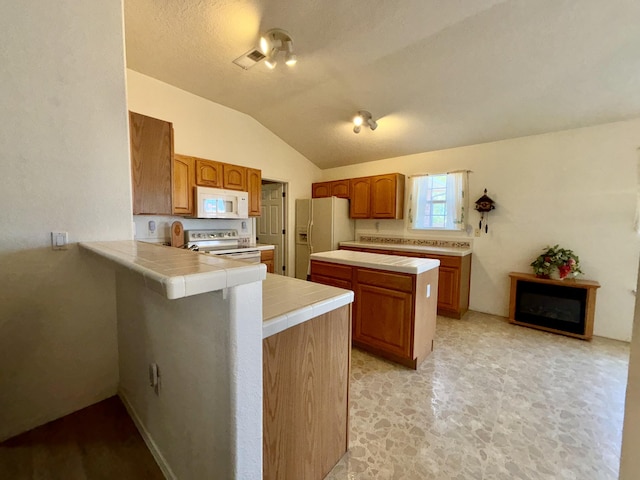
<point>269,226</point>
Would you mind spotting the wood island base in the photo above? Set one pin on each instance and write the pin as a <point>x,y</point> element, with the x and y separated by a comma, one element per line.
<point>306,397</point>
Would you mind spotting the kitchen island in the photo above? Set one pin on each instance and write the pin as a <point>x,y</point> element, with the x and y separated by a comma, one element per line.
<point>394,310</point>
<point>191,336</point>
<point>454,275</point>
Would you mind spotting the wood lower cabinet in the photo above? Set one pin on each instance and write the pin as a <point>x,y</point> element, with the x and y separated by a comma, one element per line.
<point>151,142</point>
<point>254,187</point>
<point>183,183</point>
<point>306,397</point>
<point>392,315</point>
<point>453,283</point>
<point>383,318</point>
<point>266,257</point>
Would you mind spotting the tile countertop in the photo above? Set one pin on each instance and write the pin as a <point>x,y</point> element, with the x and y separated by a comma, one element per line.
<point>174,272</point>
<point>287,302</point>
<point>454,252</point>
<point>392,263</point>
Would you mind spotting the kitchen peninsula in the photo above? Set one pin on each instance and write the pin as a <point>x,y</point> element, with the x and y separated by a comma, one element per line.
<point>197,323</point>
<point>394,310</point>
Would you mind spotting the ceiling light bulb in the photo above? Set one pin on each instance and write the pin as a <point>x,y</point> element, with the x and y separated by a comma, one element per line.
<point>356,129</point>
<point>372,124</point>
<point>264,45</point>
<point>290,59</point>
<point>357,121</point>
<point>271,62</point>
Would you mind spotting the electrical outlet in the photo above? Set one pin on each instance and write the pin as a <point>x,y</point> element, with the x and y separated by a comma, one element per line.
<point>476,232</point>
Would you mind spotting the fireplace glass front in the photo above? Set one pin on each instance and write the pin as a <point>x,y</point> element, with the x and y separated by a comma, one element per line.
<point>551,306</point>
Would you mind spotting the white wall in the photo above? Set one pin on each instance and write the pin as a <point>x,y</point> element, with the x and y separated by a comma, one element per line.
<point>576,188</point>
<point>206,419</point>
<point>209,130</point>
<point>64,166</point>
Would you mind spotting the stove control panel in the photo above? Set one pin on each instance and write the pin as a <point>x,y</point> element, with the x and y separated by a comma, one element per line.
<point>203,235</point>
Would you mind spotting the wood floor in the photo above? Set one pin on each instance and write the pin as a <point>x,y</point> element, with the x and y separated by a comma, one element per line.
<point>98,442</point>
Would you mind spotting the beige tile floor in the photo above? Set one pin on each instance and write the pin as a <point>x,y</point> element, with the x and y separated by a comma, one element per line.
<point>493,401</point>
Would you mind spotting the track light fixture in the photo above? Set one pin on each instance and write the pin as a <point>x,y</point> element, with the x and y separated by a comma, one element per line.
<point>363,117</point>
<point>275,41</point>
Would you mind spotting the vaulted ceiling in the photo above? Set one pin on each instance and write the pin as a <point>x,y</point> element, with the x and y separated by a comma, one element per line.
<point>435,74</point>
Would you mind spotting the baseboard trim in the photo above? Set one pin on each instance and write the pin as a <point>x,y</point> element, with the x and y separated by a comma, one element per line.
<point>151,445</point>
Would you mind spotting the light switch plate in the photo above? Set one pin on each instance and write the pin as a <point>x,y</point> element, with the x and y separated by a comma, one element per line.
<point>59,240</point>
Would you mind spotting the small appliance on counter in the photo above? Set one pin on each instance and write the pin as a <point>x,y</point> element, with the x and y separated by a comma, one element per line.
<point>221,242</point>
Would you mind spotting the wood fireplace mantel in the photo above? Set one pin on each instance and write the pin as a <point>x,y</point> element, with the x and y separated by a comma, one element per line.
<point>589,308</point>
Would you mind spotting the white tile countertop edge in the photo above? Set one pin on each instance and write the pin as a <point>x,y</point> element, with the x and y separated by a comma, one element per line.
<point>454,252</point>
<point>247,248</point>
<point>391,263</point>
<point>287,302</point>
<point>176,273</point>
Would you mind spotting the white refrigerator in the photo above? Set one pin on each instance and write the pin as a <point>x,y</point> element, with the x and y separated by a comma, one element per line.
<point>321,224</point>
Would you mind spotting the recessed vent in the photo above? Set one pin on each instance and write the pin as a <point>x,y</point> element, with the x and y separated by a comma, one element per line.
<point>249,59</point>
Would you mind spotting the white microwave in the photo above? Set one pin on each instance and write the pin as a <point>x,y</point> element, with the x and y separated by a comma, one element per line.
<point>219,203</point>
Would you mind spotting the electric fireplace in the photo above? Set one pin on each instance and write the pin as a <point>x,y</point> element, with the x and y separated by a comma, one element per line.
<point>559,306</point>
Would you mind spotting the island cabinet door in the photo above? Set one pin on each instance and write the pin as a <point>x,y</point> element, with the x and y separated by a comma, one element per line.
<point>384,311</point>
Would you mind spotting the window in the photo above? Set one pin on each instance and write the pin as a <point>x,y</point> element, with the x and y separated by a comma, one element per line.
<point>438,202</point>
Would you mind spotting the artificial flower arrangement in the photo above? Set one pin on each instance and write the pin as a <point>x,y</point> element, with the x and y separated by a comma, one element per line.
<point>567,263</point>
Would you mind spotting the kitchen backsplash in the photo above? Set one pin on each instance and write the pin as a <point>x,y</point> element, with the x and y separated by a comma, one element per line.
<point>414,241</point>
<point>162,231</point>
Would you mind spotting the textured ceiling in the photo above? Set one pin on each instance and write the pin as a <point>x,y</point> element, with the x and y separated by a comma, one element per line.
<point>434,73</point>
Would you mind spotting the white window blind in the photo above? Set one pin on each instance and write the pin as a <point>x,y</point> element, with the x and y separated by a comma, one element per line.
<point>439,201</point>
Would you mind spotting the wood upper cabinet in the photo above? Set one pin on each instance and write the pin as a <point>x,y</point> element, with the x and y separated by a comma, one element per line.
<point>234,177</point>
<point>387,196</point>
<point>183,182</point>
<point>360,206</point>
<point>321,190</point>
<point>335,188</point>
<point>208,173</point>
<point>254,184</point>
<point>341,188</point>
<point>151,142</point>
<point>378,196</point>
